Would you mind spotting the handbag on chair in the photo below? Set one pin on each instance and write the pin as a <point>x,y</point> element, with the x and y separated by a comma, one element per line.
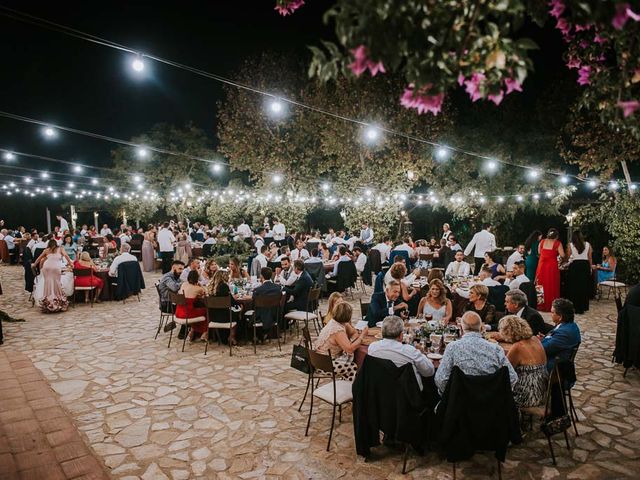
<point>300,359</point>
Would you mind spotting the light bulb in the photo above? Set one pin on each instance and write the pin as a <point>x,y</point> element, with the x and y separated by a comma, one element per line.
<point>49,132</point>
<point>9,156</point>
<point>442,153</point>
<point>137,64</point>
<point>277,178</point>
<point>142,152</point>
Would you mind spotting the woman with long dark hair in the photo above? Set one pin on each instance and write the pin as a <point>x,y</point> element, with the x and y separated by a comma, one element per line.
<point>531,253</point>
<point>548,273</point>
<point>579,278</point>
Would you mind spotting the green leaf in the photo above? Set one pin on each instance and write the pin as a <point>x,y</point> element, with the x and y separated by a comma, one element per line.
<point>526,44</point>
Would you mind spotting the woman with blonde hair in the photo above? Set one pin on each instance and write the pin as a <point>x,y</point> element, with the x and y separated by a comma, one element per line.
<point>183,249</point>
<point>528,359</point>
<point>334,299</point>
<point>210,269</point>
<point>478,303</point>
<point>219,287</point>
<point>436,303</point>
<point>85,263</point>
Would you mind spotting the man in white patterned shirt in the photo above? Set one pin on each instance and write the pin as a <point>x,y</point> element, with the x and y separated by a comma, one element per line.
<point>459,267</point>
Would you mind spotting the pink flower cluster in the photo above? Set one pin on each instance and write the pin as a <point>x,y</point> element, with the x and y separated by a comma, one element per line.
<point>421,101</point>
<point>289,7</point>
<point>583,75</point>
<point>623,13</point>
<point>361,63</point>
<point>628,108</point>
<point>473,87</point>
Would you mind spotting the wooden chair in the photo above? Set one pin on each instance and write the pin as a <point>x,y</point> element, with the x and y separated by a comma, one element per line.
<point>336,393</point>
<point>566,391</point>
<point>296,316</point>
<point>264,302</point>
<point>165,317</point>
<point>179,299</point>
<point>220,303</point>
<point>364,309</point>
<point>88,291</point>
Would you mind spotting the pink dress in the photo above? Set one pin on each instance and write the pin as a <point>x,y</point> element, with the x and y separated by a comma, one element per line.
<point>548,275</point>
<point>54,299</point>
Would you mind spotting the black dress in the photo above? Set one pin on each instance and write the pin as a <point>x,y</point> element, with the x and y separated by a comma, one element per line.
<point>579,284</point>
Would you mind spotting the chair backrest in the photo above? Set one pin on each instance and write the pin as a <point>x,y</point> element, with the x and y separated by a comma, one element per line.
<point>378,284</point>
<point>306,336</point>
<point>404,254</point>
<point>218,303</point>
<point>83,272</point>
<point>530,291</point>
<point>364,308</point>
<point>267,301</point>
<point>321,362</point>
<point>347,275</point>
<point>376,260</point>
<point>314,294</point>
<point>426,256</point>
<point>574,352</point>
<point>177,298</point>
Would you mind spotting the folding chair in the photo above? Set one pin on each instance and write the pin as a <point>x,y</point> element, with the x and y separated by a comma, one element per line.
<point>179,299</point>
<point>164,316</point>
<point>264,302</point>
<point>296,316</point>
<point>83,272</point>
<point>220,303</point>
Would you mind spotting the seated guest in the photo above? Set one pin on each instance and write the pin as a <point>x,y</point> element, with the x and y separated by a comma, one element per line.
<point>210,239</point>
<point>436,304</point>
<point>478,304</point>
<point>435,274</point>
<point>284,252</point>
<point>210,268</point>
<point>516,276</point>
<point>398,272</point>
<point>183,248</point>
<point>235,272</point>
<point>360,260</point>
<point>497,271</point>
<point>485,279</point>
<point>472,354</point>
<point>324,252</point>
<point>314,258</point>
<point>392,348</point>
<point>105,230</point>
<point>562,339</point>
<point>342,258</point>
<point>299,291</point>
<point>441,258</point>
<point>527,357</point>
<point>194,266</point>
<point>406,247</point>
<point>334,299</point>
<point>192,291</point>
<point>516,303</point>
<point>274,251</point>
<point>340,339</point>
<point>110,242</point>
<point>169,282</point>
<point>384,248</point>
<point>606,269</point>
<point>287,275</point>
<point>458,267</point>
<point>453,243</point>
<point>70,246</point>
<point>516,256</point>
<point>219,287</point>
<point>124,256</point>
<point>299,252</point>
<point>84,262</point>
<point>266,316</point>
<point>386,303</point>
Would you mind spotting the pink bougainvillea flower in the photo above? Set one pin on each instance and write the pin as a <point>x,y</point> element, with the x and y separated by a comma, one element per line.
<point>361,63</point>
<point>557,8</point>
<point>583,75</point>
<point>497,98</point>
<point>460,79</point>
<point>564,26</point>
<point>582,28</point>
<point>289,7</point>
<point>623,13</point>
<point>512,85</point>
<point>472,86</point>
<point>573,63</point>
<point>374,68</point>
<point>583,44</point>
<point>599,39</point>
<point>421,101</point>
<point>628,108</point>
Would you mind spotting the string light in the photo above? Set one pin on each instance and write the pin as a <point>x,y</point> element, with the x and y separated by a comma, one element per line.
<point>49,132</point>
<point>27,180</point>
<point>276,108</point>
<point>94,181</point>
<point>142,152</point>
<point>137,64</point>
<point>592,183</point>
<point>442,153</point>
<point>277,178</point>
<point>44,175</point>
<point>534,174</point>
<point>372,135</point>
<point>78,169</point>
<point>9,156</point>
<point>491,165</point>
<point>325,187</point>
<point>613,185</point>
<point>216,167</point>
<point>564,179</point>
<point>633,186</point>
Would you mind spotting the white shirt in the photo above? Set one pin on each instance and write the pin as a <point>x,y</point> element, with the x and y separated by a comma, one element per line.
<point>343,258</point>
<point>64,225</point>
<point>279,231</point>
<point>296,254</point>
<point>313,260</point>
<point>124,238</point>
<point>384,250</point>
<point>483,241</point>
<point>458,268</point>
<point>403,247</point>
<point>8,238</point>
<point>513,258</point>
<point>123,257</point>
<point>455,247</point>
<point>210,241</point>
<point>291,277</point>
<point>259,243</point>
<point>366,235</point>
<point>32,245</point>
<point>165,240</point>
<point>106,231</point>
<point>244,230</point>
<point>260,258</point>
<point>580,256</point>
<point>401,354</point>
<point>516,282</point>
<point>446,234</point>
<point>361,262</point>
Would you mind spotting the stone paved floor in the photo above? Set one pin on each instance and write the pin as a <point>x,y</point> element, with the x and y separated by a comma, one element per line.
<point>151,412</point>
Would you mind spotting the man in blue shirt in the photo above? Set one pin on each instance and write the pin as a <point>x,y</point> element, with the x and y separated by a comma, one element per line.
<point>560,342</point>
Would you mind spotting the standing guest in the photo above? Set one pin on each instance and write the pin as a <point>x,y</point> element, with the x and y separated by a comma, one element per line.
<point>244,230</point>
<point>384,248</point>
<point>50,263</point>
<point>299,252</point>
<point>515,302</point>
<point>210,269</point>
<point>299,291</point>
<point>436,304</point>
<point>560,342</point>
<point>531,252</point>
<point>260,261</point>
<point>165,242</point>
<point>478,304</point>
<point>472,354</point>
<point>259,240</point>
<point>339,339</point>
<point>579,281</point>
<point>334,299</point>
<point>529,360</point>
<point>516,277</point>
<point>392,348</point>
<point>386,303</point>
<point>105,230</point>
<point>235,272</point>
<point>516,256</point>
<point>70,246</point>
<point>125,256</point>
<point>366,235</point>
<point>446,231</point>
<point>148,252</point>
<point>482,242</point>
<point>279,230</point>
<point>548,273</point>
<point>183,248</point>
<point>458,267</point>
<point>84,263</point>
<point>192,291</point>
<point>170,282</point>
<point>64,225</point>
<point>607,269</point>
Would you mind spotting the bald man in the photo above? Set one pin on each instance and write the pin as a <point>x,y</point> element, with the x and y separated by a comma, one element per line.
<point>472,354</point>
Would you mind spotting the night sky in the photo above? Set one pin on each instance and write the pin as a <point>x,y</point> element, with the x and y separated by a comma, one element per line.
<point>70,82</point>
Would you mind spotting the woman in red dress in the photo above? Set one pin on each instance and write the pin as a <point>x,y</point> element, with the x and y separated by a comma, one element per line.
<point>192,291</point>
<point>84,262</point>
<point>548,273</point>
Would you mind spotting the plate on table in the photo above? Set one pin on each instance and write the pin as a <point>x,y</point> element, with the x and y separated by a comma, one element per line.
<point>434,356</point>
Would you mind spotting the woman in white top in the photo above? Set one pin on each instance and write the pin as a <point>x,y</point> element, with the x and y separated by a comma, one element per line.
<point>436,303</point>
<point>579,282</point>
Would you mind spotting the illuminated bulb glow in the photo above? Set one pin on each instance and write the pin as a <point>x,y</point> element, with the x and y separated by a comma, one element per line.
<point>442,153</point>
<point>277,178</point>
<point>44,175</point>
<point>77,168</point>
<point>9,156</point>
<point>49,132</point>
<point>142,152</point>
<point>137,64</point>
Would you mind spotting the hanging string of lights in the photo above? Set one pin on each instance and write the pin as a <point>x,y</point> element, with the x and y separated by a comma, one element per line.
<point>372,133</point>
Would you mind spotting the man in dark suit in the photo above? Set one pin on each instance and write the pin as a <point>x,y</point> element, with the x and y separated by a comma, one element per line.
<point>386,303</point>
<point>516,304</point>
<point>266,316</point>
<point>299,291</point>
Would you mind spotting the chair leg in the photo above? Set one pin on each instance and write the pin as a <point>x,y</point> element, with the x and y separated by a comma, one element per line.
<point>333,422</point>
<point>624,374</point>
<point>306,432</point>
<point>230,343</point>
<point>404,459</point>
<point>573,414</point>
<point>566,439</point>
<point>159,327</point>
<point>305,392</point>
<point>255,339</point>
<point>206,345</point>
<point>340,413</point>
<point>186,334</point>
<point>553,456</point>
<point>170,336</point>
<point>278,336</point>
